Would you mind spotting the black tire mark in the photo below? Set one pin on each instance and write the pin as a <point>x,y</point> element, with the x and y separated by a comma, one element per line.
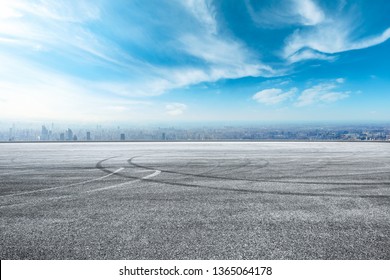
<point>323,165</point>
<point>101,167</point>
<point>130,161</point>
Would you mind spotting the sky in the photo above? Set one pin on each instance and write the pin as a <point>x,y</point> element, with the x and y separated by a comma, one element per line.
<point>194,60</point>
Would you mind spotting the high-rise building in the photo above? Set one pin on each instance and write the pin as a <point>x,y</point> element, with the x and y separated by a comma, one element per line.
<point>69,135</point>
<point>44,133</point>
<point>88,136</point>
<point>123,138</point>
<point>62,137</point>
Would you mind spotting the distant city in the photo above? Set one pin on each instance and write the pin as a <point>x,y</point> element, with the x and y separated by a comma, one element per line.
<point>50,132</point>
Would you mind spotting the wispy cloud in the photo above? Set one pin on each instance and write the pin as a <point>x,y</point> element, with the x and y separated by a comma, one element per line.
<point>276,14</point>
<point>223,57</point>
<point>336,33</point>
<point>204,12</point>
<point>322,93</point>
<point>308,54</point>
<point>175,109</point>
<point>58,27</point>
<point>329,39</point>
<point>319,31</point>
<point>273,95</point>
<point>309,12</point>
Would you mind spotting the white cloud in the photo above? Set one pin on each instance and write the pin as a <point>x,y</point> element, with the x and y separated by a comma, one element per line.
<point>278,14</point>
<point>310,13</point>
<point>204,12</point>
<point>334,96</point>
<point>370,41</point>
<point>59,10</point>
<point>334,35</point>
<point>321,93</point>
<point>308,54</point>
<point>273,95</point>
<point>175,109</point>
<point>224,58</point>
<point>58,26</point>
<point>340,80</point>
<point>162,79</point>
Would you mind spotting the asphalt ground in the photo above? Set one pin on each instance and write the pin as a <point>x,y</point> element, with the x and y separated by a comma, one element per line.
<point>219,200</point>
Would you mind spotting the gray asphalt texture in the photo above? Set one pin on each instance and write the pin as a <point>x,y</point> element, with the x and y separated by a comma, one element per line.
<point>220,200</point>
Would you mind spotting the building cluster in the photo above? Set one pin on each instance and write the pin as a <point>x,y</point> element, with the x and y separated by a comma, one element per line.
<point>304,132</point>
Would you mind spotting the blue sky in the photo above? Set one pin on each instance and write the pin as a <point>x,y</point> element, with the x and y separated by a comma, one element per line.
<point>195,60</point>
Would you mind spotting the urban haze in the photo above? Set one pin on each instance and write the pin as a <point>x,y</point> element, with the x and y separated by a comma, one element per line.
<point>198,132</point>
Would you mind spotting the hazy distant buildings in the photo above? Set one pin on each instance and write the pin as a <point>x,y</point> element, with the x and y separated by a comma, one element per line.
<point>11,134</point>
<point>69,135</point>
<point>44,134</point>
<point>346,132</point>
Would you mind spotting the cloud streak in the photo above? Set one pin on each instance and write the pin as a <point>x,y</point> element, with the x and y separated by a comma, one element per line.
<point>322,93</point>
<point>273,96</point>
<point>204,12</point>
<point>273,14</point>
<point>175,109</point>
<point>309,12</point>
<point>332,33</point>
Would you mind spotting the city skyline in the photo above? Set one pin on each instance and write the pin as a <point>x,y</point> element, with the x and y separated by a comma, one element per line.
<point>248,132</point>
<point>195,61</point>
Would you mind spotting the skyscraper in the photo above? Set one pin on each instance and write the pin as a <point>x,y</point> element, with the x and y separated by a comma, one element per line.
<point>44,133</point>
<point>69,135</point>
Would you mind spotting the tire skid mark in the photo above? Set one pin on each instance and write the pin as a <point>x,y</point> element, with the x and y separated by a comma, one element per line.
<point>323,164</point>
<point>153,180</point>
<point>358,188</point>
<point>14,172</point>
<point>131,162</point>
<point>100,167</point>
<point>68,197</point>
<point>104,169</point>
<point>34,202</point>
<point>112,186</point>
<point>157,172</point>
<point>64,196</point>
<point>66,186</point>
<point>347,174</point>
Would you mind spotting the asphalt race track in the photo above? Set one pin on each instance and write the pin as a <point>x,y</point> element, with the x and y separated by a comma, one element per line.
<point>193,200</point>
